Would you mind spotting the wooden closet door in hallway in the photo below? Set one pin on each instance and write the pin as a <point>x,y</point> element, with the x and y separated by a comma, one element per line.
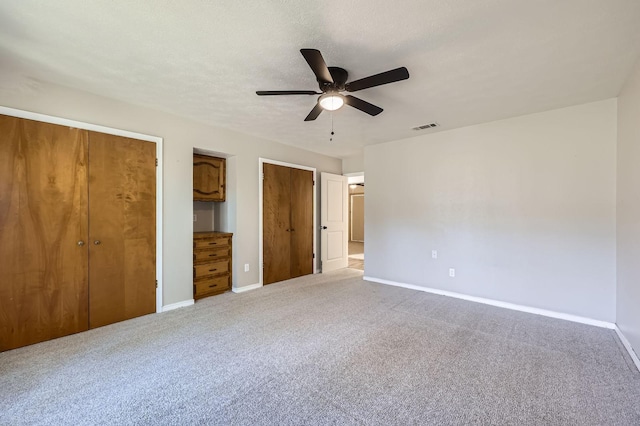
<point>287,223</point>
<point>122,218</point>
<point>43,231</point>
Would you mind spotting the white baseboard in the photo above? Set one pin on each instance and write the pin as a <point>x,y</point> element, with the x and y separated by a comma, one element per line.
<point>628,347</point>
<point>246,288</point>
<point>498,303</point>
<point>177,305</point>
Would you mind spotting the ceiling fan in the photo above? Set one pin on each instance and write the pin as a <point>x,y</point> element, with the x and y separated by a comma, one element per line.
<point>333,80</point>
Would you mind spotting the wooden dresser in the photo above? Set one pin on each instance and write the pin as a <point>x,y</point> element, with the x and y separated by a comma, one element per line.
<point>211,263</point>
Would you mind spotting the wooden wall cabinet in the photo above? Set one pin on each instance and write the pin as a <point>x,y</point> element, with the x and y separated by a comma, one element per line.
<point>211,263</point>
<point>209,178</point>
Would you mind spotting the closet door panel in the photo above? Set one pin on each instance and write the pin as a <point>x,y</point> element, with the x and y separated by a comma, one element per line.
<point>43,218</point>
<point>276,213</point>
<point>301,222</point>
<point>122,226</point>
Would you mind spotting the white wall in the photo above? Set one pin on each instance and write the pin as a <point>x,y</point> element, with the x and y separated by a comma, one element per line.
<point>180,138</point>
<point>523,208</point>
<point>628,213</point>
<point>353,164</point>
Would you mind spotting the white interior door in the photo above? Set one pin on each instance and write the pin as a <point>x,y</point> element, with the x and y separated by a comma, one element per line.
<point>334,196</point>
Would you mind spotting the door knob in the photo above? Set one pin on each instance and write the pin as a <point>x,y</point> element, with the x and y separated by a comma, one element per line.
<point>96,242</point>
<point>323,227</point>
<point>80,243</point>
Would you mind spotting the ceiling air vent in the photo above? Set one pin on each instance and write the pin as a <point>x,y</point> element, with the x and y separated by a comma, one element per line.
<point>426,126</point>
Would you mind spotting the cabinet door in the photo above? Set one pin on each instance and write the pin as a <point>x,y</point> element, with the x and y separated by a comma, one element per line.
<point>276,213</point>
<point>43,231</point>
<point>122,234</point>
<point>208,178</point>
<point>301,222</point>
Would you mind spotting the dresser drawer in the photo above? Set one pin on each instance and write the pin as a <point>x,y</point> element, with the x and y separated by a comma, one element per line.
<point>211,285</point>
<point>203,255</point>
<point>211,242</point>
<point>211,268</point>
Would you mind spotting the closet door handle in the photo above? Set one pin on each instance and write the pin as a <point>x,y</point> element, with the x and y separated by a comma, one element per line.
<point>96,242</point>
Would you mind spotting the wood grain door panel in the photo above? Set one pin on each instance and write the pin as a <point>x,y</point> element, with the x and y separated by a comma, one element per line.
<point>276,223</point>
<point>301,222</point>
<point>122,218</point>
<point>287,223</point>
<point>43,216</point>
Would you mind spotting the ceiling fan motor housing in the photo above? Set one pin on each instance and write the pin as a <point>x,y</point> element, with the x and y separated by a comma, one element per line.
<point>340,77</point>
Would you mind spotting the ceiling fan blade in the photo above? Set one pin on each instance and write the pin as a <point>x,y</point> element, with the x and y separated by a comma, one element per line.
<point>317,64</point>
<point>386,77</point>
<point>363,106</point>
<point>315,112</point>
<point>286,92</point>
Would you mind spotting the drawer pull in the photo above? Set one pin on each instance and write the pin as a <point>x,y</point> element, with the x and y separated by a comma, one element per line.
<point>212,244</point>
<point>212,255</point>
<point>212,270</point>
<point>213,285</point>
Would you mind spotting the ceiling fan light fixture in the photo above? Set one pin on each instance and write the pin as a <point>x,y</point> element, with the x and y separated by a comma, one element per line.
<point>331,101</point>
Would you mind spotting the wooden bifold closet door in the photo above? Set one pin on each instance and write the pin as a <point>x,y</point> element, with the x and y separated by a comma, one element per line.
<point>287,223</point>
<point>43,216</point>
<point>77,230</point>
<point>122,228</point>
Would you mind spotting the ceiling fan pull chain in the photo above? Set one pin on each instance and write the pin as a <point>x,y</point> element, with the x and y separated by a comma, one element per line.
<point>331,138</point>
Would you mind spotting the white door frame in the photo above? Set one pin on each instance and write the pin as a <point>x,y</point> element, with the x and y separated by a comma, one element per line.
<point>117,132</point>
<point>261,162</point>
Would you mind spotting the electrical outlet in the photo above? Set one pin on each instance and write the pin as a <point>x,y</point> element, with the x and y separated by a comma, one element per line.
<point>246,267</point>
<point>195,218</point>
<point>434,254</point>
<point>452,272</point>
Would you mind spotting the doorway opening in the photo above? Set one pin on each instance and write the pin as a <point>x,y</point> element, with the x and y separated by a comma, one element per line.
<point>356,222</point>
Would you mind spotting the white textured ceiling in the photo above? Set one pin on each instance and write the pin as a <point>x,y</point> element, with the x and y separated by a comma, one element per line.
<point>469,61</point>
